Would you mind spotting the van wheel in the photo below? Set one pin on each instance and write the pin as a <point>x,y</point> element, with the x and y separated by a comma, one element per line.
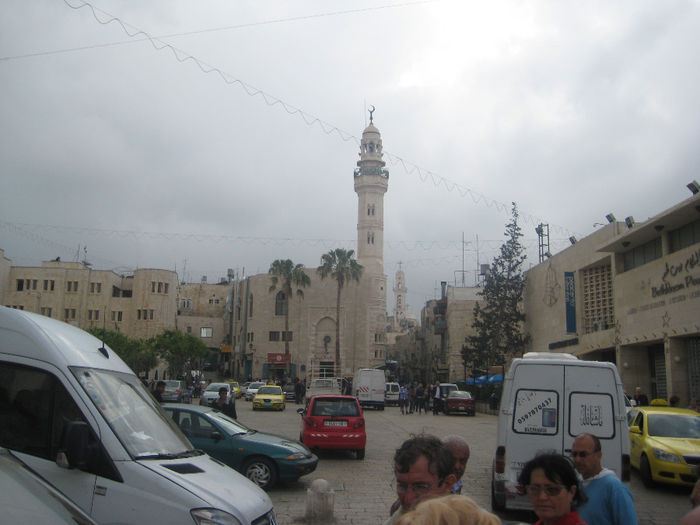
<point>360,454</point>
<point>645,472</point>
<point>260,471</point>
<point>496,505</point>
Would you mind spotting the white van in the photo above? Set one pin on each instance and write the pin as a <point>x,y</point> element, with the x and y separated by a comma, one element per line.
<point>324,385</point>
<point>369,385</point>
<point>548,399</point>
<point>391,394</point>
<point>77,415</point>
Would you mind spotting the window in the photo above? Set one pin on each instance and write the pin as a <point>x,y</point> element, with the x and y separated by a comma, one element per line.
<point>250,305</point>
<point>189,329</point>
<point>20,285</point>
<point>160,287</point>
<point>206,332</point>
<point>46,311</point>
<point>274,336</point>
<point>165,288</point>
<point>598,305</point>
<point>249,337</point>
<point>643,254</point>
<point>71,286</point>
<point>684,236</point>
<point>286,336</point>
<point>116,316</point>
<point>186,303</point>
<point>280,304</point>
<point>95,287</point>
<point>34,281</point>
<point>69,313</point>
<point>153,287</point>
<point>48,285</point>
<point>93,315</point>
<point>150,314</point>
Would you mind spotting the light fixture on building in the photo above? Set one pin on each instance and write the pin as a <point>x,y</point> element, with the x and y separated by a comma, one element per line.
<point>677,358</point>
<point>572,239</point>
<point>625,365</point>
<point>693,186</point>
<point>659,227</point>
<point>625,244</point>
<point>629,221</point>
<point>610,217</point>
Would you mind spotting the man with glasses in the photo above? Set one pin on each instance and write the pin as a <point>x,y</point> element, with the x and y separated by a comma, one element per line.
<point>424,468</point>
<point>609,500</point>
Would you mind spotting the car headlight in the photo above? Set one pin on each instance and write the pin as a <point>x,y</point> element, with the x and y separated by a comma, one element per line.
<point>662,455</point>
<point>213,517</point>
<point>296,456</point>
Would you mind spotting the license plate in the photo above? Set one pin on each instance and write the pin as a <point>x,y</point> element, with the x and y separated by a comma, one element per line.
<point>462,408</point>
<point>336,423</point>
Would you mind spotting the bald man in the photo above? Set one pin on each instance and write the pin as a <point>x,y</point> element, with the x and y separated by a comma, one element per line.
<point>609,500</point>
<point>460,450</point>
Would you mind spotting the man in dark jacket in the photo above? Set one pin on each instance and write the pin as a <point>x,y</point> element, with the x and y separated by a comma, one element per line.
<point>223,404</point>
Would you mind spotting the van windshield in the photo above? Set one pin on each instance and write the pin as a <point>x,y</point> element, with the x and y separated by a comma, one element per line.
<point>137,420</point>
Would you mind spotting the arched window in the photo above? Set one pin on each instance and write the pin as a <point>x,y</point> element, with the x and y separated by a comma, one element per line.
<point>250,305</point>
<point>280,303</point>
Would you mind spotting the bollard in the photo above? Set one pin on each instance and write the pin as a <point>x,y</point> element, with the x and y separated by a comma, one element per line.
<point>319,501</point>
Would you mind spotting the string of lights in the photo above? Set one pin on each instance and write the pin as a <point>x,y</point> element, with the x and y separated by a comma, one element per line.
<point>310,120</point>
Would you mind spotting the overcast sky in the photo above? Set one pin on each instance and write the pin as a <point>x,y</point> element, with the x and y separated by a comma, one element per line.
<point>570,109</point>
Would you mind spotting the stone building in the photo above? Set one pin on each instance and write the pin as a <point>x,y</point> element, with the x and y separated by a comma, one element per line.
<point>628,293</point>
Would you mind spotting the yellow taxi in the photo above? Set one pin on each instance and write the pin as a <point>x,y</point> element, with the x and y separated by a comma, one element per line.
<point>664,444</point>
<point>236,388</point>
<point>269,397</point>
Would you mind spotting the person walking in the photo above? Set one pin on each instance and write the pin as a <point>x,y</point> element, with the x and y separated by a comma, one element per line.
<point>419,397</point>
<point>222,403</point>
<point>158,392</point>
<point>437,400</point>
<point>640,397</point>
<point>609,500</point>
<point>403,399</point>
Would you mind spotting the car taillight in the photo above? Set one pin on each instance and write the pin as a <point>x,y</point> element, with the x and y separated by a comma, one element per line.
<point>501,460</point>
<point>177,390</point>
<point>310,421</point>
<point>626,474</point>
<point>359,423</point>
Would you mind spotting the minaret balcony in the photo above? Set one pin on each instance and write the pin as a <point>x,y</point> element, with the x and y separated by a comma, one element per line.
<point>367,170</point>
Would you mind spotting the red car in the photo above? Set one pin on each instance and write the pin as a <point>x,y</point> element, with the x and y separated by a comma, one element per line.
<point>459,402</point>
<point>332,421</point>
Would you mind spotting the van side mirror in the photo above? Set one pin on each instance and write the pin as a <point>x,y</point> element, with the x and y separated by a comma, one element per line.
<point>634,429</point>
<point>74,445</point>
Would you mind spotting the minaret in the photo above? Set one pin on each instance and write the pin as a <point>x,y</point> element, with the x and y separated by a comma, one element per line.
<point>371,183</point>
<point>399,299</point>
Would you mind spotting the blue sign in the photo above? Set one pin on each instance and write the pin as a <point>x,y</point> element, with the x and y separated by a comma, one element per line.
<point>570,302</point>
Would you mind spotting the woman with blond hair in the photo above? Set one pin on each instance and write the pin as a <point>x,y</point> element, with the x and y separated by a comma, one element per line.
<point>448,510</point>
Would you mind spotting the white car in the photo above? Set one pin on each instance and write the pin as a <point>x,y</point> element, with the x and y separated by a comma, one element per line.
<point>253,389</point>
<point>212,393</point>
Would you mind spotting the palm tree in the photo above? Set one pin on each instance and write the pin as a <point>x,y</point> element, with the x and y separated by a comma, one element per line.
<point>288,276</point>
<point>341,266</point>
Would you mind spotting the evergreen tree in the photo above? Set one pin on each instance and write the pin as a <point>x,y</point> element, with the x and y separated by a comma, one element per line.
<point>498,321</point>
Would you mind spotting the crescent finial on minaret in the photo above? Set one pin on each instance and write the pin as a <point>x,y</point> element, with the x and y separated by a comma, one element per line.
<point>370,114</point>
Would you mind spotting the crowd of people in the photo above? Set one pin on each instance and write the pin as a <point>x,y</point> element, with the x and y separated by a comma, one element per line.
<point>563,490</point>
<point>416,398</point>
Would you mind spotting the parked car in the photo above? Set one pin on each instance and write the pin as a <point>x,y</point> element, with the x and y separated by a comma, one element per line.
<point>289,391</point>
<point>263,458</point>
<point>333,422</point>
<point>391,394</point>
<point>459,402</point>
<point>665,444</point>
<point>176,391</point>
<point>269,396</point>
<point>211,393</point>
<point>252,390</point>
<point>28,498</point>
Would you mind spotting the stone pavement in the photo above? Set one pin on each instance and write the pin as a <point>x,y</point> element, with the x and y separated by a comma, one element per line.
<point>363,489</point>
